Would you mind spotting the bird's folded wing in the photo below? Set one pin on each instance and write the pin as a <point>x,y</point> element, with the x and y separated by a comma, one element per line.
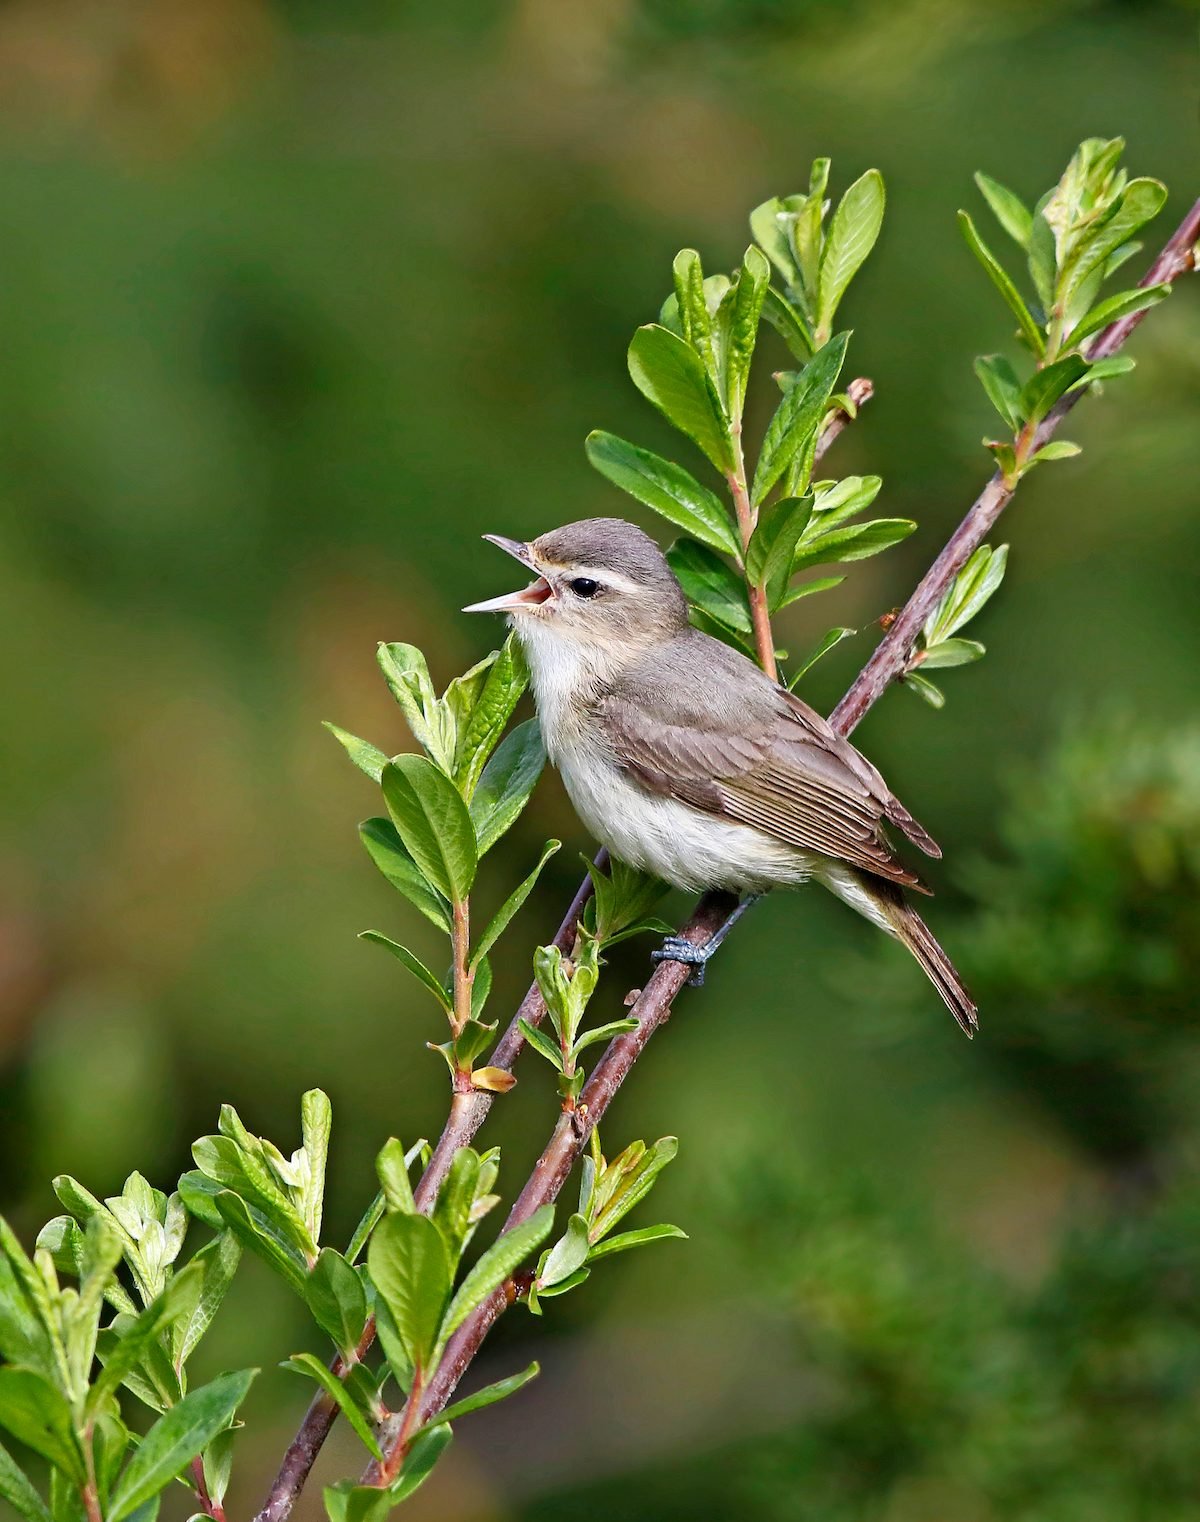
<point>771,776</point>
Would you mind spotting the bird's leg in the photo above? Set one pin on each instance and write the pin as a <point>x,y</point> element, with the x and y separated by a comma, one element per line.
<point>676,949</point>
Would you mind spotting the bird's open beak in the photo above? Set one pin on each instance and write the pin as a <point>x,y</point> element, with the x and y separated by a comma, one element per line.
<point>531,596</point>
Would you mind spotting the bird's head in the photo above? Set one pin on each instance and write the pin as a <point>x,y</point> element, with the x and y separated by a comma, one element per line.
<point>601,584</point>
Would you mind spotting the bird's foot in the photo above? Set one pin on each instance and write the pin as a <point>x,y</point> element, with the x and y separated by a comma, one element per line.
<point>676,949</point>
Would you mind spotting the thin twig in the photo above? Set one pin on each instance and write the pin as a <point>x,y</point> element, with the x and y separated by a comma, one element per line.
<point>653,1007</point>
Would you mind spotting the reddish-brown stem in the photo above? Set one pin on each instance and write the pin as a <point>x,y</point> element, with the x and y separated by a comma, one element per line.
<point>211,1508</point>
<point>460,940</point>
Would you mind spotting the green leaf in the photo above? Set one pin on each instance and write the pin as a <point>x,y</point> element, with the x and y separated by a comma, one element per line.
<point>1057,449</point>
<point>392,1165</point>
<point>669,373</point>
<point>490,1394</point>
<point>347,1501</point>
<point>367,757</point>
<point>218,1263</point>
<point>18,1491</point>
<point>567,1255</point>
<point>176,1438</point>
<point>507,678</point>
<point>1140,202</point>
<point>605,1032</point>
<point>710,583</point>
<point>628,1180</point>
<point>799,415</point>
<point>507,1253</point>
<point>312,1368</point>
<point>952,652</point>
<point>1011,212</point>
<point>414,965</point>
<point>1000,279</point>
<point>512,904</point>
<point>774,541</point>
<point>852,233</point>
<point>316,1123</point>
<point>826,643</point>
<point>1043,258</point>
<point>407,675</point>
<point>255,1231</point>
<point>38,1415</point>
<point>836,501</point>
<point>932,695</point>
<point>624,1240</point>
<point>1003,388</point>
<point>752,282</point>
<point>410,1269</point>
<point>767,226</point>
<point>806,589</point>
<point>432,821</point>
<point>1044,387</point>
<point>856,542</point>
<point>387,851</point>
<point>337,1300</point>
<point>541,1042</point>
<point>427,1448</point>
<point>971,589</point>
<point>452,1209</point>
<point>367,1224</point>
<point>694,320</point>
<point>665,487</point>
<point>507,781</point>
<point>134,1337</point>
<point>788,323</point>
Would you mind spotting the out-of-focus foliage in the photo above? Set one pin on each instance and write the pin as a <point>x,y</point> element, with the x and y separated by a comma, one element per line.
<point>298,301</point>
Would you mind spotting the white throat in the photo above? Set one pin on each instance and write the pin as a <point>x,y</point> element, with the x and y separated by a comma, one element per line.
<point>566,676</point>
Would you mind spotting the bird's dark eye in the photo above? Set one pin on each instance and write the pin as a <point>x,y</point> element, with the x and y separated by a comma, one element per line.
<point>584,586</point>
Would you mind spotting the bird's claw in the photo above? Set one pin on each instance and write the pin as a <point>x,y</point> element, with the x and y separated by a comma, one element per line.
<point>676,949</point>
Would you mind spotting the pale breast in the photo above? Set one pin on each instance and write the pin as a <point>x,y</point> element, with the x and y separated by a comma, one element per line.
<point>669,839</point>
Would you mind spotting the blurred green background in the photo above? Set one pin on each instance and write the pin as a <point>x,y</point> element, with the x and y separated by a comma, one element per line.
<point>295,302</point>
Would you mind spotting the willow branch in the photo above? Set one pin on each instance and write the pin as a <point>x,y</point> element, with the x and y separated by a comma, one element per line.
<point>653,1006</point>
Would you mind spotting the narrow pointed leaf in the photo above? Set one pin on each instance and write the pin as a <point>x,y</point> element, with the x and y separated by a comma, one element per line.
<point>827,642</point>
<point>312,1368</point>
<point>710,583</point>
<point>508,780</point>
<point>427,1448</point>
<point>799,415</point>
<point>567,1255</point>
<point>337,1300</point>
<point>1002,281</point>
<point>176,1438</point>
<point>999,380</point>
<point>856,542</point>
<point>367,757</point>
<point>414,964</point>
<point>490,1394</point>
<point>852,233</point>
<point>505,1255</point>
<point>388,852</point>
<point>752,282</point>
<point>1011,212</point>
<point>541,1042</point>
<point>507,677</point>
<point>37,1414</point>
<point>17,1489</point>
<point>1045,387</point>
<point>512,904</point>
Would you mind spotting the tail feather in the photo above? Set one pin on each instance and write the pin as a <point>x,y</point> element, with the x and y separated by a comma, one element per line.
<point>885,905</point>
<point>912,930</point>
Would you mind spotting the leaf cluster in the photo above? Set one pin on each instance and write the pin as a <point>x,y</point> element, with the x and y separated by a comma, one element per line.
<point>695,364</point>
<point>1074,238</point>
<point>127,1324</point>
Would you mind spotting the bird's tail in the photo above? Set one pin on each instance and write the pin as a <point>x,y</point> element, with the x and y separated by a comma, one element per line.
<point>885,905</point>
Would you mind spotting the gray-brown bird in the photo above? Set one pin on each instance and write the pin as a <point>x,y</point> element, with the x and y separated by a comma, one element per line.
<point>686,760</point>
